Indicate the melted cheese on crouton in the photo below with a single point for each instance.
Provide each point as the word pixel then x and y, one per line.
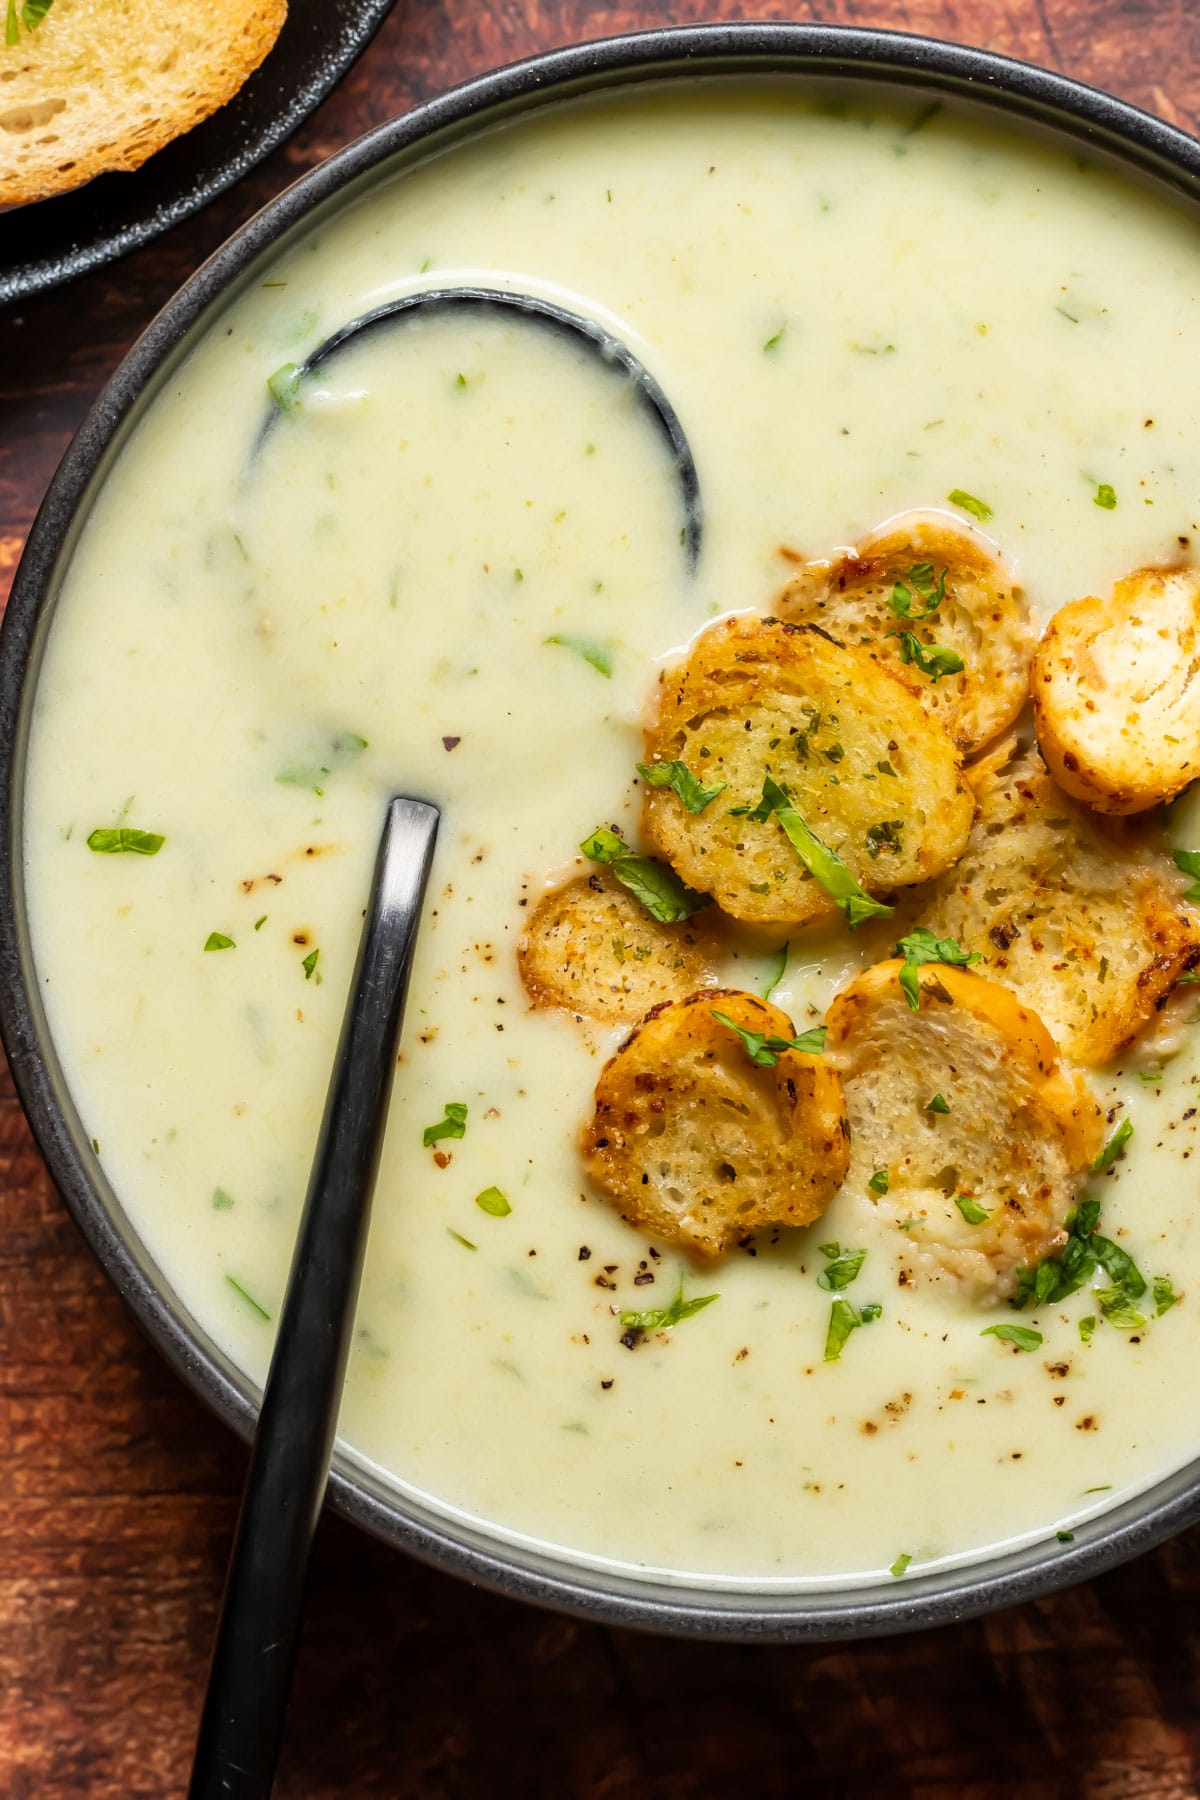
pixel 869 772
pixel 962 1104
pixel 1116 692
pixel 1084 919
pixel 944 584
pixel 697 1143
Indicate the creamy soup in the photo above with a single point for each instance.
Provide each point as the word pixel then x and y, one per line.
pixel 453 570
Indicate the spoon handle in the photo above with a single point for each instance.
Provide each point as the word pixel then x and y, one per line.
pixel 251 1671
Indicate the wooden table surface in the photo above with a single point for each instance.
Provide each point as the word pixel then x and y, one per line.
pixel 118 1492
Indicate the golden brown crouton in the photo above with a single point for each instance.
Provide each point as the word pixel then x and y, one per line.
pixel 962 1106
pixel 868 771
pixel 695 1142
pixel 1082 916
pixel 592 949
pixel 102 84
pixel 1116 692
pixel 940 582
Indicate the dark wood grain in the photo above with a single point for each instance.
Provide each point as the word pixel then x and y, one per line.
pixel 117 1492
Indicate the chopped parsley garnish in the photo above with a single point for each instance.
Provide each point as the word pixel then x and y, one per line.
pixel 921 946
pixel 1188 861
pixel 315 771
pixel 1084 1254
pixel 878 1184
pixel 1087 1328
pixel 777 971
pixel 222 1202
pixel 665 1318
pixel 900 1566
pixel 122 839
pixel 1119 1309
pixel 931 593
pixel 1020 1335
pixel 971 1210
pixel 309 965
pixel 939 1104
pixel 494 1201
pixel 870 1312
pixel 1104 496
pixel 1165 1296
pixel 259 923
pixel 841 1268
pixel 679 778
pixel 454 1125
pixel 31 16
pixel 284 386
pixel 460 1239
pixel 1115 1146
pixel 1057 1276
pixel 979 509
pixel 600 655
pixel 843 1319
pixel 657 887
pixel 934 660
pixel 217 940
pixel 824 864
pixel 1065 1537
pixel 251 1302
pixel 774 342
pixel 884 836
pixel 765 1049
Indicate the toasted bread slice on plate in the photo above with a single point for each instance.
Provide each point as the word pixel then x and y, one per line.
pixel 100 85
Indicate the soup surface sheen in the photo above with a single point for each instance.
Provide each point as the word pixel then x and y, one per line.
pixel 855 308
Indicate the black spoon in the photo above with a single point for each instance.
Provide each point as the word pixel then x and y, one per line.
pixel 251 1672
pixel 616 355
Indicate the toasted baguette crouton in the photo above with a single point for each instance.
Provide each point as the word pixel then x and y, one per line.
pixel 869 772
pixel 695 1142
pixel 593 950
pixel 1012 1135
pixel 861 597
pixel 102 84
pixel 1082 916
pixel 1116 692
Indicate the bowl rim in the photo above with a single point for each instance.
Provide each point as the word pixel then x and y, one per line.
pixel 1021 92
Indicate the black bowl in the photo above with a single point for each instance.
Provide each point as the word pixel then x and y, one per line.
pixel 820 54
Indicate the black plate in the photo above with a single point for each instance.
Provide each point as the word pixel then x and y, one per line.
pixel 53 241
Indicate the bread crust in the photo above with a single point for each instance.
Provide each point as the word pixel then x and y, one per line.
pixel 591 949
pixel 1083 917
pixel 694 1142
pixel 1116 692
pixel 873 776
pixel 1016 1137
pixel 982 616
pixel 100 85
